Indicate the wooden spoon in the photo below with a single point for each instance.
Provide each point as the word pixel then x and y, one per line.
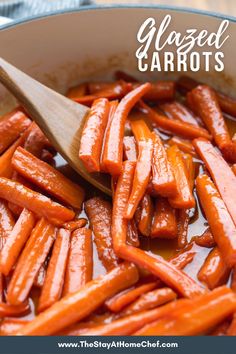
pixel 60 118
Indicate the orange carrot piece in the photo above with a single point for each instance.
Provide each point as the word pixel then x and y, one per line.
pixel 175 127
pixel 36 142
pixel 183 257
pixel 146 215
pixel 218 217
pixel 231 331
pixel 92 135
pixel 30 261
pixel 214 272
pixel 183 145
pixel 164 223
pixel 220 172
pixel 163 179
pixel 10 325
pixel 132 323
pixel 149 301
pixel 47 178
pixel 205 240
pixel 77 91
pixel 118 87
pixel 7 222
pixel 11 126
pixel 99 213
pixel 176 110
pixel 75 224
pixel 16 240
pixel 76 306
pixel 6 168
pixel 182 227
pixel 120 300
pixel 53 283
pixel 79 269
pixel 143 166
pixel 160 90
pixel 34 201
pixel 197 317
pixel 8 310
pixel 130 148
pixel 132 234
pixel 113 150
pixel 184 198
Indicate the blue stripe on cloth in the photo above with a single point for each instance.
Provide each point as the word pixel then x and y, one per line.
pixel 18 9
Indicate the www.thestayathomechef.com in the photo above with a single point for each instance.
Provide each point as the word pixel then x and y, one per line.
pixel 118 344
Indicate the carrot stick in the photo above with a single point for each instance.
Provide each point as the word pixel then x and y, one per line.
pixel 53 284
pixel 220 172
pixel 6 168
pixel 79 269
pixel 118 87
pixel 160 90
pixel 184 198
pixel 76 306
pixel 113 150
pixel 47 178
pixel 99 213
pixel 77 91
pixel 132 234
pixel 231 331
pixel 36 141
pixel 214 272
pixel 30 261
pixel 163 179
pixel 16 240
pixel 7 310
pixel 149 301
pixel 40 277
pixel 146 216
pixel 143 166
pixel 205 240
pixel 175 127
pixel 176 110
pixel 183 257
pixel 164 223
pixel 34 201
pixel 92 135
pixel 220 222
pixel 7 222
pixel 10 325
pixel 121 300
pixel 132 323
pixel 11 126
pixel 197 317
pixel 75 224
pixel 130 148
pixel 183 145
pixel 182 227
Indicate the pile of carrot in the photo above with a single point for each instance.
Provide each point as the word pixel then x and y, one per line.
pixel 74 262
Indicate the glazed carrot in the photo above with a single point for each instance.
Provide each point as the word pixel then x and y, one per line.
pixel 16 240
pixel 207 105
pixel 183 145
pixel 76 306
pixel 132 323
pixel 7 222
pixel 6 168
pixel 132 234
pixel 220 222
pixel 99 213
pixel 11 126
pixel 75 224
pixel 197 317
pixel 182 227
pixel 47 178
pixel 113 150
pixel 214 272
pixel 231 331
pixel 119 87
pixel 92 135
pixel 36 141
pixel 112 109
pixel 160 90
pixel 130 148
pixel 183 257
pixel 30 261
pixel 205 240
pixel 40 277
pixel 184 198
pixel 53 283
pixel 163 179
pixel 164 223
pixel 34 201
pixel 149 301
pixel 143 167
pixel 10 325
pixel 220 172
pixel 176 110
pixel 7 310
pixel 77 91
pixel 175 127
pixel 121 300
pixel 79 268
pixel 146 215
